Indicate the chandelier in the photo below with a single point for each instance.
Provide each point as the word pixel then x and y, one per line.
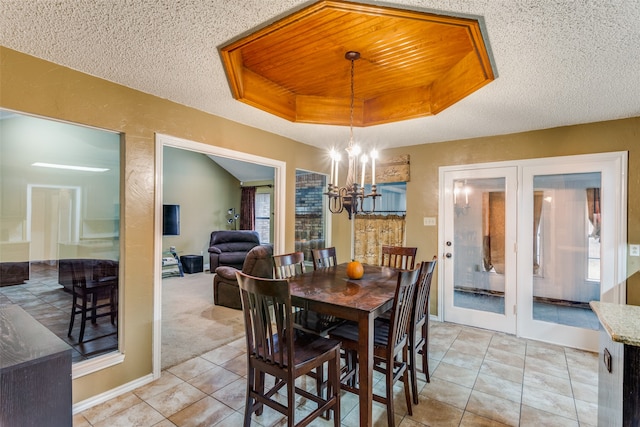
pixel 351 196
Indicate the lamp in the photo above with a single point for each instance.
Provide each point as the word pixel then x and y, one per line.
pixel 234 218
pixel 351 196
pixel 460 190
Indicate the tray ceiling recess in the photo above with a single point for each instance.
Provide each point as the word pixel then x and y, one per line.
pixel 413 64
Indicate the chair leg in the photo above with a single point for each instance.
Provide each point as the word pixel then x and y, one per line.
pixel 351 362
pixel 248 401
pixel 94 311
pixel 389 381
pixel 291 403
pixel 73 314
pixel 259 387
pixel 407 393
pixel 321 387
pixel 114 305
pixel 412 367
pixel 334 386
pixel 83 319
pixel 425 350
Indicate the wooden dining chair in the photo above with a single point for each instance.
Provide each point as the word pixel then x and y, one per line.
pixel 390 341
pixel 419 326
pixel 401 257
pixel 276 348
pixel 324 257
pixel 288 265
pixel 94 296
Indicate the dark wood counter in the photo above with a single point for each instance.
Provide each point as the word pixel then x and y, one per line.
pixel 35 373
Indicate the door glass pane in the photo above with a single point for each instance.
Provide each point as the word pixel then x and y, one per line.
pixel 479 244
pixel 566 273
pixel 60 227
pixel 310 213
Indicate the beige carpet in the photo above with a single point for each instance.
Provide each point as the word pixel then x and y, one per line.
pixel 191 323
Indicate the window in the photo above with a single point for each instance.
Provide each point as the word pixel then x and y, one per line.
pixel 393 200
pixel 263 216
pixel 59 217
pixel 310 212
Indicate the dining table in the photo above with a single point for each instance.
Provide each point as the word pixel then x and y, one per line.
pixel 329 291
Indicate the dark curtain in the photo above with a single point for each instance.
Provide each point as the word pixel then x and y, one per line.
pixel 247 208
pixel 593 208
pixel 538 197
pixel 486 236
pixel 493 229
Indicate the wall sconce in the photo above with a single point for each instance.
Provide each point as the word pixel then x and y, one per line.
pixel 234 218
pixel 461 190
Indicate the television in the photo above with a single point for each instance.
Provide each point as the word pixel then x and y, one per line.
pixel 170 220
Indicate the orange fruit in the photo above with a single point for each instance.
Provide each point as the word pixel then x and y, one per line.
pixel 355 270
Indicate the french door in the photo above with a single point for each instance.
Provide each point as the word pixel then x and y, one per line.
pixel 526 246
pixel 479 256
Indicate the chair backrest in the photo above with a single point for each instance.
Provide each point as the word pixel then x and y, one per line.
pixel 402 308
pixel 398 257
pixel 266 306
pixel 258 262
pixel 223 238
pixel 325 257
pixel 423 289
pixel 79 272
pixel 288 265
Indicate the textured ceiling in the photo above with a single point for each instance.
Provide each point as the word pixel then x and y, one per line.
pixel 557 62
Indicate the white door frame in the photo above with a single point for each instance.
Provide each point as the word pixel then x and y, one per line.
pixel 612 169
pixel 279 184
pixel 503 322
pixel 613 287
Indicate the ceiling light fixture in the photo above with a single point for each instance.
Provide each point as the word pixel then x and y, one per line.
pixel 351 196
pixel 70 167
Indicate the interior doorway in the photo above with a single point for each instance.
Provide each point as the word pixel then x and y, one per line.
pixel 52 215
pixel 162 141
pixel 526 245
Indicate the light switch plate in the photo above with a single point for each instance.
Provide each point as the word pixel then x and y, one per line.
pixel 634 250
pixel 429 221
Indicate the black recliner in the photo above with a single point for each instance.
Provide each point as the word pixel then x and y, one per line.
pixel 230 247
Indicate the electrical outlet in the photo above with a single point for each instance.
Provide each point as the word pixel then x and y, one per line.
pixel 634 250
pixel 429 221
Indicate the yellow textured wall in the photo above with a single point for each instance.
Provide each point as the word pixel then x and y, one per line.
pixel 34 86
pixel 38 87
pixel 422 190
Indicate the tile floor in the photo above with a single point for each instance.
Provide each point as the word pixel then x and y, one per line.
pixel 47 301
pixel 579 315
pixel 479 378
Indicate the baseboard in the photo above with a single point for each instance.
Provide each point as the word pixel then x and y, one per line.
pixel 110 394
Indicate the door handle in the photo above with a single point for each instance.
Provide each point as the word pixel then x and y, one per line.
pixel 448 254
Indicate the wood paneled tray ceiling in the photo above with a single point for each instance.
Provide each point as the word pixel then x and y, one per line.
pixel 412 64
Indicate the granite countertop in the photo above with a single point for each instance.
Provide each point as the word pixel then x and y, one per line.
pixel 621 321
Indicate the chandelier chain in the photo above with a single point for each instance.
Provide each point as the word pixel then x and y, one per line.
pixel 353 95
